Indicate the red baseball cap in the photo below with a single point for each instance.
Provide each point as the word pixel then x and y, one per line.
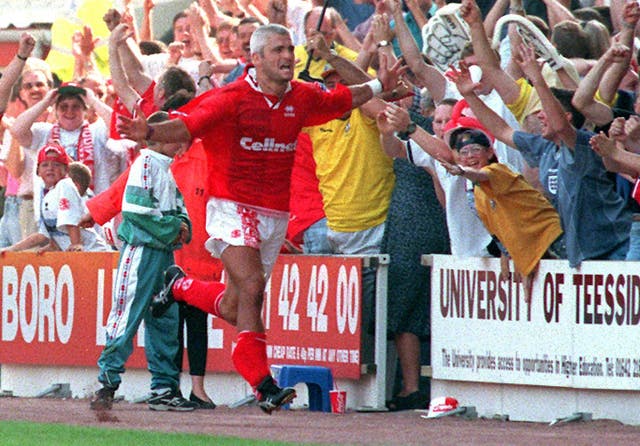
pixel 52 151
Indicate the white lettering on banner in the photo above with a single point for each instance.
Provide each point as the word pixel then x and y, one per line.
pixel 318 286
pixel 268 145
pixel 480 294
pixel 347 300
pixel 37 304
pixel 215 336
pixel 313 354
pixel 101 329
pixel 564 338
pixel 288 298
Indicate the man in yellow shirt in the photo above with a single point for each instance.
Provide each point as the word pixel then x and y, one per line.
pixel 329 32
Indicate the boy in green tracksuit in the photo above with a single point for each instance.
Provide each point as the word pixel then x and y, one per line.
pixel 155 223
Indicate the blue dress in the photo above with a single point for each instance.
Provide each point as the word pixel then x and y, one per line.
pixel 415 226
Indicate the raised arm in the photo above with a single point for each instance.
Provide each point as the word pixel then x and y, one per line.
pixel 82 46
pixel 427 75
pixel 13 70
pixel 146 28
pixel 352 74
pixel 557 12
pixel 488 60
pixel 489 118
pixel 497 10
pixel 584 98
pixel 21 129
pixel 127 93
pixel 100 107
pixel 617 71
pixel 199 25
pixel 556 117
pixel 414 9
pixel 343 32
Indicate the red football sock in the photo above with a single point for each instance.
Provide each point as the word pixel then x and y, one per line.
pixel 200 294
pixel 250 357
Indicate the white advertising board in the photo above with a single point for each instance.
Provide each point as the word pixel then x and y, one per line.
pixel 579 331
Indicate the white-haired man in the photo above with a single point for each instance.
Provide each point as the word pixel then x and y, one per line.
pixel 250 127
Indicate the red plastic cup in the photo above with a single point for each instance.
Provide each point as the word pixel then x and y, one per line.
pixel 338 401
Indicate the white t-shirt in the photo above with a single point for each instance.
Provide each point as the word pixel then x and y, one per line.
pixel 63 206
pixel 468 236
pixel 107 165
pixel 155 64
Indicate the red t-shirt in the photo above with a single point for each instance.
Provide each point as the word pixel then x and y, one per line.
pixel 305 204
pixel 251 137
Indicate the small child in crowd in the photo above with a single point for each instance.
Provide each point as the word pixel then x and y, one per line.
pixel 154 224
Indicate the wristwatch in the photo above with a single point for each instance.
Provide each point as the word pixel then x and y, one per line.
pixel 408 131
pixel 383 43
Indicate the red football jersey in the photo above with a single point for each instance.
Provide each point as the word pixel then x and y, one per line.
pixel 251 136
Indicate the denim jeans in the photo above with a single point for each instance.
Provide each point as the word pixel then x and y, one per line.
pixel 634 242
pixel 10 231
pixel 315 238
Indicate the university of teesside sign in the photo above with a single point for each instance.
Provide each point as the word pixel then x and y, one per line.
pixel 579 331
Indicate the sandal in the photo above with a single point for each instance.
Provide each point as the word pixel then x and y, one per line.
pixel 412 401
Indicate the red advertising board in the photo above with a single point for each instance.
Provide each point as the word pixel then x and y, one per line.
pixel 54 307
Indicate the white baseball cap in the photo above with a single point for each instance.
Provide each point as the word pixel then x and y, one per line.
pixel 441 404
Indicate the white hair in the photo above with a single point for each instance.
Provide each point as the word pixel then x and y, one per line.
pixel 260 36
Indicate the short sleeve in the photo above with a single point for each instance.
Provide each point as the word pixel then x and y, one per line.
pixel 70 205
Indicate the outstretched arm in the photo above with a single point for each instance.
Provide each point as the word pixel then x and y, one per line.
pixel 396 119
pixel 475 175
pixel 121 84
pixel 137 129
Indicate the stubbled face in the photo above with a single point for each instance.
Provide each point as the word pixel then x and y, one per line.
pixel 51 172
pixel 277 59
pixel 70 113
pixel 475 156
pixel 34 87
pixel 441 116
pixel 326 29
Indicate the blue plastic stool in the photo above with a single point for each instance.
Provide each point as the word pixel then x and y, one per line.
pixel 319 381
